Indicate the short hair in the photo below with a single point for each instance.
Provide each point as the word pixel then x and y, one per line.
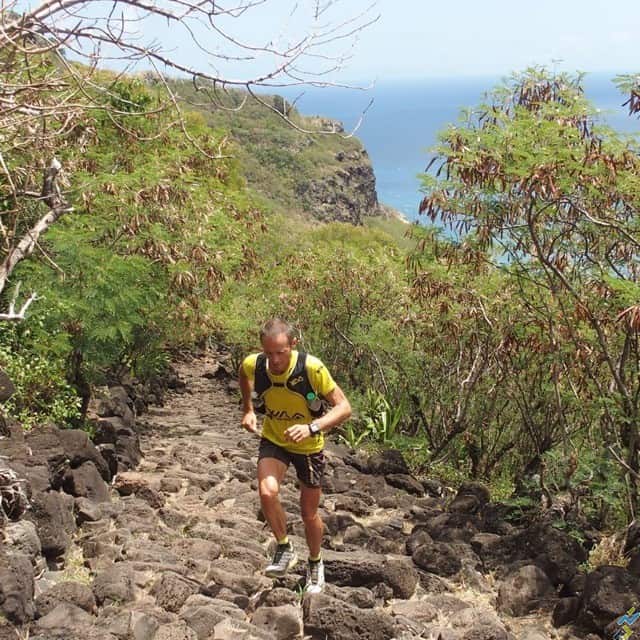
pixel 275 327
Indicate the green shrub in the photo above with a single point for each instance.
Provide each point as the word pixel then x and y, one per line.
pixel 42 391
pixel 379 418
pixel 129 95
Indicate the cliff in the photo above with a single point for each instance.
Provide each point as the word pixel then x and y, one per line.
pixel 346 194
pixel 305 166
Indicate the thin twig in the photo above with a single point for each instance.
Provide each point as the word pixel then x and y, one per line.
pixel 635 474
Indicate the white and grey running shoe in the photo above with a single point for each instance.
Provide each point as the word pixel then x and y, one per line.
pixel 315 577
pixel 284 558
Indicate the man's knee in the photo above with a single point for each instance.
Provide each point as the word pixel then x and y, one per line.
pixel 310 514
pixel 269 488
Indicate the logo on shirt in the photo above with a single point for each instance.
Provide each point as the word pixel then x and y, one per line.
pixel 283 415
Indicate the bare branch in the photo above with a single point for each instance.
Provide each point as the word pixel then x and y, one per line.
pixel 623 463
pixel 12 315
pixel 51 195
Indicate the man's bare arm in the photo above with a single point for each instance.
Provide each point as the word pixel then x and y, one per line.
pixel 339 412
pixel 249 420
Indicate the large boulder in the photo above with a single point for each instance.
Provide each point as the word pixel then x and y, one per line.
pixel 116 402
pixel 16 587
pixel 386 462
pixel 471 498
pixel 565 611
pixel 172 591
pixel 115 584
pixel 405 482
pixel 283 622
pixel 220 619
pixel 44 442
pixel 79 449
pixel 328 618
pixel 68 622
pixel 114 430
pixel 609 592
pixel 437 557
pixel 75 593
pixel 130 624
pixel 59 451
pixel 22 537
pixel 452 527
pixel 486 632
pixel 236 582
pixel 553 550
pixel 52 513
pixel 524 590
pixel 178 630
pixel 85 481
pixel 361 569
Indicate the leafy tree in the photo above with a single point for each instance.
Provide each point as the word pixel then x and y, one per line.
pixel 53 86
pixel 530 177
pixel 129 277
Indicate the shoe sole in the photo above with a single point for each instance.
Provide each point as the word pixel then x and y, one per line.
pixel 279 574
pixel 314 590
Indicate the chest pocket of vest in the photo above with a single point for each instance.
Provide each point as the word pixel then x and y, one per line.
pixel 297 382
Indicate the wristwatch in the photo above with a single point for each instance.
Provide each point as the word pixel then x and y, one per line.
pixel 314 428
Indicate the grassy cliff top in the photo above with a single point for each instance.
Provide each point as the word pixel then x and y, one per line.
pixel 277 157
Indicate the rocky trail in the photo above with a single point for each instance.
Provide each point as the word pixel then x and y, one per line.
pixel 174 548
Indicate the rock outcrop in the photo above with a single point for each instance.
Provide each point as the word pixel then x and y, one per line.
pixel 347 194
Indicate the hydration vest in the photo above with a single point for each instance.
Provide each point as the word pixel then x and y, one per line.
pixel 298 382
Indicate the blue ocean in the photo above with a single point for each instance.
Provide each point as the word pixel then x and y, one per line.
pixel 406 116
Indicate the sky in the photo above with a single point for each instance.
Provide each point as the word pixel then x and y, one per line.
pixel 425 38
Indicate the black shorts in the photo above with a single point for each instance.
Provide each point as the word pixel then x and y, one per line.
pixel 309 466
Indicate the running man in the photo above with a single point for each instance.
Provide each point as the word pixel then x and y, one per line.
pixel 301 402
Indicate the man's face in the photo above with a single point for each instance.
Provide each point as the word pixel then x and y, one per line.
pixel 278 351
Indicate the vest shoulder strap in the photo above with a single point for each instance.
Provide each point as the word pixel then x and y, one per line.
pixel 261 378
pixel 298 381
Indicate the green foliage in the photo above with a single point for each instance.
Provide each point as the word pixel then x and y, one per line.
pixel 520 509
pixel 572 529
pixel 531 179
pixel 129 95
pixel 596 479
pixel 379 418
pixel 107 303
pixel 42 391
pixel 278 160
pixel 377 422
pixel 449 473
pixel 352 435
pixel 158 229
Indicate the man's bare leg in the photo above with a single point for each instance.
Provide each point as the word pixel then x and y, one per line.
pixel 270 475
pixel 313 526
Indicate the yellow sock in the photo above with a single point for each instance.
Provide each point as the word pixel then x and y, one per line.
pixel 316 559
pixel 284 541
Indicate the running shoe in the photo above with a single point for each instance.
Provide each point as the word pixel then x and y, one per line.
pixel 315 577
pixel 284 558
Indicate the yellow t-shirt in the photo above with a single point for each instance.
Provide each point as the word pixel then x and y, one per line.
pixel 284 408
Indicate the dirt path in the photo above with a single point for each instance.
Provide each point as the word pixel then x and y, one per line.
pixel 177 551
